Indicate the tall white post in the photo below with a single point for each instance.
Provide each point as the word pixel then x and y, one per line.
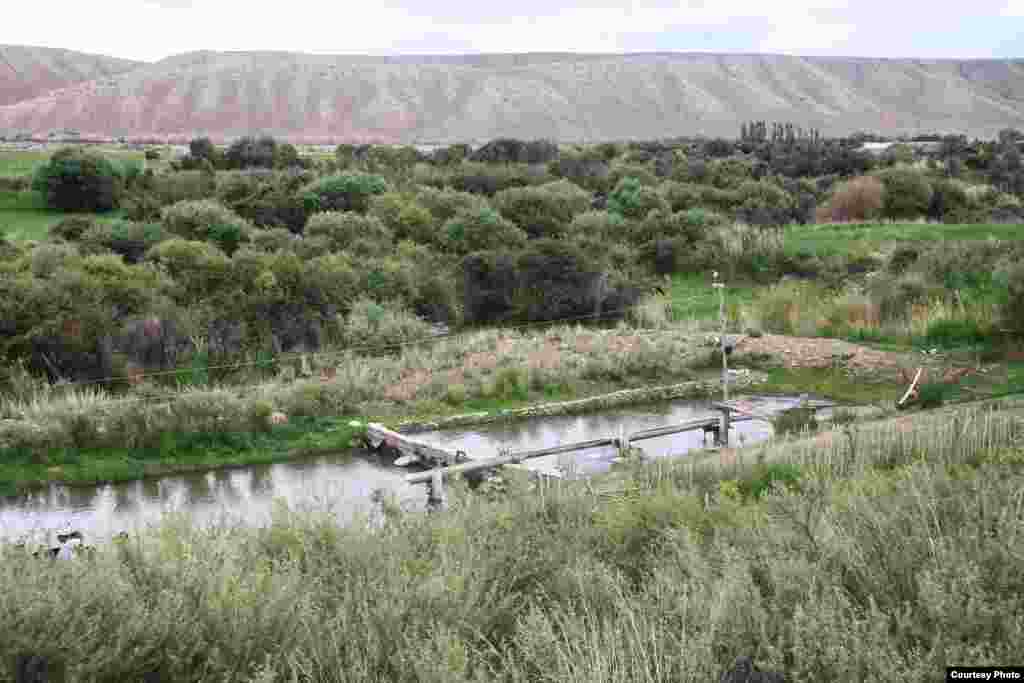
pixel 721 314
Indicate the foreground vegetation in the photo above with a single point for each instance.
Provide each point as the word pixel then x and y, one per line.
pixel 887 551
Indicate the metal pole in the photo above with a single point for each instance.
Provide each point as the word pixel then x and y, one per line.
pixel 721 314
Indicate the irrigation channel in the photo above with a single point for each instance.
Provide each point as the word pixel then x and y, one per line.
pixel 344 484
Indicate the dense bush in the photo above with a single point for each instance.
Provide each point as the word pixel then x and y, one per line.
pixel 689 225
pixel 558 280
pixel 129 239
pixel 263 152
pixel 199 267
pixel 179 186
pixel 543 210
pixel 489 285
pixel 79 179
pixel 388 325
pixel 479 230
pixel 72 228
pixel 209 221
pixel 272 239
pixel 488 180
pixel 764 203
pixel 344 229
pixel 266 198
pixel 610 227
pixel 589 170
pixel 908 193
pixel 1012 277
pixel 445 203
pixel 350 191
pixel 408 218
pixel 512 151
pixel 631 199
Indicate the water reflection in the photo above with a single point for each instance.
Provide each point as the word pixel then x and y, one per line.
pixel 342 485
pixel 488 440
pixel 339 484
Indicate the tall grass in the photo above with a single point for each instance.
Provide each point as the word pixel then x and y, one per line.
pixel 895 552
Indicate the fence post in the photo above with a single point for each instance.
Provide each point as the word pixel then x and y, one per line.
pixel 436 498
pixel 723 429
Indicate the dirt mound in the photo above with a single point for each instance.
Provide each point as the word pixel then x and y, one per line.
pixel 803 352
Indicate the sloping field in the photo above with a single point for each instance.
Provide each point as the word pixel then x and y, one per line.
pixel 311 98
pixel 27 72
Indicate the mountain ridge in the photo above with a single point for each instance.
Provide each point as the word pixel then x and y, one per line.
pixel 565 96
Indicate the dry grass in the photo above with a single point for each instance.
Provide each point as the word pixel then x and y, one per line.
pixel 344 385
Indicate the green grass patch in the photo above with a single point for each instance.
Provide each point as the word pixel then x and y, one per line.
pixel 25 216
pixel 22 468
pixel 833 384
pixel 835 239
pixel 693 297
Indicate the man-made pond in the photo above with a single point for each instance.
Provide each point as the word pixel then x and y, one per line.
pixel 343 484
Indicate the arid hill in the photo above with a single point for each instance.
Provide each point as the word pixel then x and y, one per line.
pixel 311 98
pixel 27 72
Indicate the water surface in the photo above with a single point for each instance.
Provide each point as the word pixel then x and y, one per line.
pixel 343 484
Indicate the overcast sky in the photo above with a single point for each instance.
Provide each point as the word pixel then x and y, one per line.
pixel 150 30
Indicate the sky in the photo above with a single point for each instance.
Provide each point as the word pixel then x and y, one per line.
pixel 150 30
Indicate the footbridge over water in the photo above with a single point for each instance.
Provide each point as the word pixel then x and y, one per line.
pixel 443 463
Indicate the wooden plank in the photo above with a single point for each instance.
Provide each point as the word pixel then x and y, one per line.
pixel 672 429
pixel 913 386
pixel 488 463
pixel 409 446
pixel 750 414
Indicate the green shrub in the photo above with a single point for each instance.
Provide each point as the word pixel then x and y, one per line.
pixel 631 199
pixel 764 203
pixel 349 191
pixel 660 224
pixel 455 394
pixel 949 201
pixel 180 186
pixel 543 210
pixel 1012 277
pixel 406 217
pixel 556 279
pixel 79 179
pixel 129 239
pixel 588 169
pixel 72 228
pixel 345 228
pixel 272 239
pixel 765 476
pixel 387 324
pixel 932 394
pixel 681 196
pixel 259 416
pixel 950 333
pixel 908 193
pixel 511 384
pixel 794 421
pixel 199 267
pixel 599 224
pixel 208 221
pixel 445 203
pixel 488 180
pixel 481 230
